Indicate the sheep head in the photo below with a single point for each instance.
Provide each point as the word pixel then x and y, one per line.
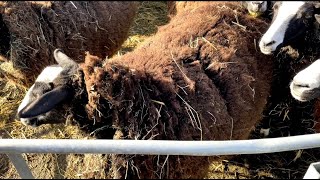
pixel 51 88
pixel 305 85
pixel 256 8
pixel 290 21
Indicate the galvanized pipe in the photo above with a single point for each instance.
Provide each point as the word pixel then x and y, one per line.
pixel 160 147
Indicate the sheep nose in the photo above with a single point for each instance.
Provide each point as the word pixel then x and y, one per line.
pixel 300 85
pixel 267 46
pixel 257 4
pixel 30 122
pixel 268 43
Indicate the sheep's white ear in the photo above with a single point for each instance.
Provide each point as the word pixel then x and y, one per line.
pixel 45 103
pixel 62 59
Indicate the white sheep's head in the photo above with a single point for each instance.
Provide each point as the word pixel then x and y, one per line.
pixel 305 85
pixel 49 90
pixel 290 20
pixel 256 8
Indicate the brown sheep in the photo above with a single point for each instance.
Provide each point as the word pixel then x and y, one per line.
pixel 175 7
pixel 199 78
pixel 254 8
pixel 31 30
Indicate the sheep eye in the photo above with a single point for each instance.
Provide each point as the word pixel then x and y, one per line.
pixel 51 85
pixel 308 16
pixel 308 13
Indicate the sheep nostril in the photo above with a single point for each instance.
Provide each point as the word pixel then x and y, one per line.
pixel 259 5
pixel 301 85
pixel 270 43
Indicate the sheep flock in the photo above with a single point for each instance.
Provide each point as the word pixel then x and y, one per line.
pixel 207 81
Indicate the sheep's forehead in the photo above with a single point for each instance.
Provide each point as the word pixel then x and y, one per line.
pixel 49 74
pixel 46 76
pixel 288 9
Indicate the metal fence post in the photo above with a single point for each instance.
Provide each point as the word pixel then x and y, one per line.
pixel 21 166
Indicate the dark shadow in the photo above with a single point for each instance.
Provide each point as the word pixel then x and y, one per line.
pixel 4 37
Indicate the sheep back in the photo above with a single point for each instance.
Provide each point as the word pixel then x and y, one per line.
pixel 32 30
pixel 175 7
pixel 199 78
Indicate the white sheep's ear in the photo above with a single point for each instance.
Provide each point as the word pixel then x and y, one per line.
pixel 62 59
pixel 45 102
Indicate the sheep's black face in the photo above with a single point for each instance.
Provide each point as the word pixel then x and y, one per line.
pixel 290 21
pixel 37 90
pixel 42 103
pixel 299 23
pixel 53 117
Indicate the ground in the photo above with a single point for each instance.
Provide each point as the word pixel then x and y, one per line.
pixel 282 117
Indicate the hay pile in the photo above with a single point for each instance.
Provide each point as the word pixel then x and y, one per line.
pixel 30 31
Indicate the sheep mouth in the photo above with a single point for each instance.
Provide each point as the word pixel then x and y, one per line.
pixel 267 51
pixel 306 95
pixel 33 122
pixel 255 13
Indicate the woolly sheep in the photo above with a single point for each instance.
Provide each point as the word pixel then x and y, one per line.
pixel 198 78
pixel 31 31
pixel 255 8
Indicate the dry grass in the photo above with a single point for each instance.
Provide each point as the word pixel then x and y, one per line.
pixel 280 121
pixel 150 15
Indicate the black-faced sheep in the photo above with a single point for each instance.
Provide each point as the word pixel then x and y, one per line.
pixel 295 24
pixel 31 31
pixel 199 78
pixel 291 20
pixel 305 86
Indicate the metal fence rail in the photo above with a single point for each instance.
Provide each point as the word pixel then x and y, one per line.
pixel 153 147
